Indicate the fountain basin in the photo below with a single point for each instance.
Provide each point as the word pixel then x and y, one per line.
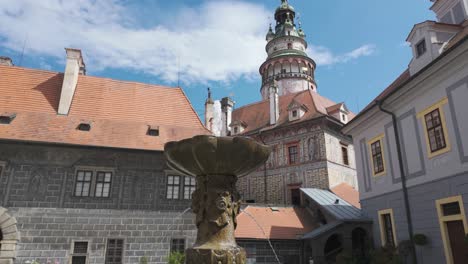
pixel 209 155
pixel 216 162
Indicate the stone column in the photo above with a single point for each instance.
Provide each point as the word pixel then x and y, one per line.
pixel 217 163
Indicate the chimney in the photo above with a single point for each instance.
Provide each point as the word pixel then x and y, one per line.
pixel 226 113
pixel 6 61
pixel 75 66
pixel 274 104
pixel 209 111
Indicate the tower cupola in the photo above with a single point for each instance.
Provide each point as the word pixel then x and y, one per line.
pixel 287 62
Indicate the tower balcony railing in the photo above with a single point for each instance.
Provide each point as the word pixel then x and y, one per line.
pixel 306 76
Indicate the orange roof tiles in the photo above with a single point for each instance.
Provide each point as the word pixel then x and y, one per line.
pixel 347 193
pixel 119 112
pixel 257 115
pixel 286 223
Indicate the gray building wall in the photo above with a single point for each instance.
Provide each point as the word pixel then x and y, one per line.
pixel 447 80
pixel 37 186
pixel 423 210
pixel 429 177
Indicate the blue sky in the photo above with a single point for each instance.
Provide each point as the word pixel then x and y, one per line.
pixel 359 45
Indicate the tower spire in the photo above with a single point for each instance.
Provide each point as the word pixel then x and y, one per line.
pixel 287 61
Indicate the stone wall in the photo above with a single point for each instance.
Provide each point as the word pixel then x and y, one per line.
pixel 44 176
pixel 37 184
pixel 47 234
pixel 320 163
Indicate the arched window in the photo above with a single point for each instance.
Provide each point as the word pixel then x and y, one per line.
pixel 277 68
pixel 289 45
pixel 270 71
pixel 295 67
pixel 333 247
pixel 1 238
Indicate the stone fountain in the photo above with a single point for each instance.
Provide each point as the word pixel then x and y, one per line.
pixel 216 162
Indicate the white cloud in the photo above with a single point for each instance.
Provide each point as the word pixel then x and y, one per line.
pixel 324 56
pixel 219 40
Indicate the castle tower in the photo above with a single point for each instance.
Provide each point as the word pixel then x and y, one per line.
pixel 287 61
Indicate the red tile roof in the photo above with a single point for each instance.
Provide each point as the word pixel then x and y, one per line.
pixel 285 223
pixel 119 112
pixel 257 115
pixel 347 193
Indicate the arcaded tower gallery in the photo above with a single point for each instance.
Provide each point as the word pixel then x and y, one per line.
pixel 287 61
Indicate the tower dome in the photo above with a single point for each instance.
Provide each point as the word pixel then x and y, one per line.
pixel 288 63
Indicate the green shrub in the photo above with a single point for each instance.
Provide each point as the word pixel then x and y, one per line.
pixel 420 239
pixel 144 260
pixel 347 257
pixel 176 258
pixel 385 255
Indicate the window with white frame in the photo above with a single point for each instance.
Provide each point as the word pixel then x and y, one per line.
pixel 103 184
pixel 421 48
pixel 173 185
pixel 93 183
pixel 189 187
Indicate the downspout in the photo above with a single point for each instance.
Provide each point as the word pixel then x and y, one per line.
pixel 264 171
pixel 403 177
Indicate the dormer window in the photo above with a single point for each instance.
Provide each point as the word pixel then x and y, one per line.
pixel 153 131
pixel 294 113
pixel 84 127
pixel 421 48
pixel 6 119
pixel 237 127
pixel 344 118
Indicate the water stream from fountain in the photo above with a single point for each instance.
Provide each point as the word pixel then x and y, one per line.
pixel 169 228
pixel 263 231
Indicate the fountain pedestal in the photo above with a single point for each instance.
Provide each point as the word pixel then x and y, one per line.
pixel 216 163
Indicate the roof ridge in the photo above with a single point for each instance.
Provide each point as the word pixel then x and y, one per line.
pixel 90 77
pixel 29 69
pixel 129 82
pixel 193 109
pixel 314 103
pixel 254 103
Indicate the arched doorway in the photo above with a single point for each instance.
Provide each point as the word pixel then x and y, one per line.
pixel 360 242
pixel 333 247
pixel 9 237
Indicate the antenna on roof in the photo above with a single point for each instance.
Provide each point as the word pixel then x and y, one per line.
pixel 22 51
